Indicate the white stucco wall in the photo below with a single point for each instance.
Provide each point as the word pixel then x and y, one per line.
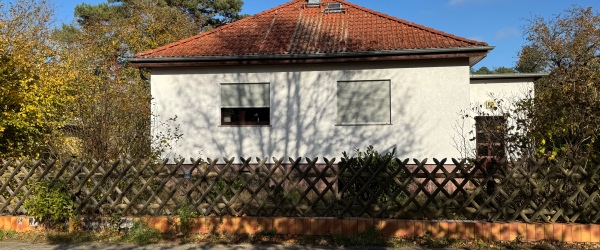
pixel 505 93
pixel 508 91
pixel 426 97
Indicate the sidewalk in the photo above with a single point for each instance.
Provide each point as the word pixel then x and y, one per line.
pixel 17 245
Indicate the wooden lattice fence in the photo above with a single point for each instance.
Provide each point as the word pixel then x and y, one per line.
pixel 531 191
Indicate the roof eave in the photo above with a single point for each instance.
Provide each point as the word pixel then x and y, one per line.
pixel 509 76
pixel 475 54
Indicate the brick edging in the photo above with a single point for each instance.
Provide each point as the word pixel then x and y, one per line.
pixel 587 233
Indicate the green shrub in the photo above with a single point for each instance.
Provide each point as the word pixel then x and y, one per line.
pixel 141 233
pixel 223 186
pixel 50 202
pixel 372 161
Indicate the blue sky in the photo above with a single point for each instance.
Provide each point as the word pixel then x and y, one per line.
pixel 500 23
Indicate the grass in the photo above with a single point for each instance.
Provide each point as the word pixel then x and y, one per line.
pixel 141 233
pixel 7 234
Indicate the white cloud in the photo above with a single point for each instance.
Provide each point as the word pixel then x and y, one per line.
pixel 507 32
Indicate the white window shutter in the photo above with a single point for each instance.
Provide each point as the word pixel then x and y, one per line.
pixel 363 102
pixel 245 95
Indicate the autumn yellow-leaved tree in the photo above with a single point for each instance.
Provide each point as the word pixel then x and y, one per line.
pixel 565 112
pixel 34 83
pixel 112 112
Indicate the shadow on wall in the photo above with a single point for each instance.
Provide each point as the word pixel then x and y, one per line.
pixel 303 106
pixel 303 119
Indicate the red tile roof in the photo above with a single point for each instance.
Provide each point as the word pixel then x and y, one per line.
pixel 295 29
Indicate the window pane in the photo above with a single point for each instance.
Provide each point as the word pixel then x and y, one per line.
pixel 230 116
pixel 245 116
pixel 257 115
pixel 245 95
pixel 363 102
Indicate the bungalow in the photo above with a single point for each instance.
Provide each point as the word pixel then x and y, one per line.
pixel 314 78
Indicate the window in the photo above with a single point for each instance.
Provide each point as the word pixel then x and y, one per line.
pixel 245 104
pixel 363 102
pixel 490 136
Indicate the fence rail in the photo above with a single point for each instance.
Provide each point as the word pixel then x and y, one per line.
pixel 531 191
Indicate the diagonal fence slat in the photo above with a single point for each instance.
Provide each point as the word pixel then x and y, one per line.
pixel 20 186
pixel 530 190
pixel 47 169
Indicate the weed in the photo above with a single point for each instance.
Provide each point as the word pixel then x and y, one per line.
pixel 314 240
pixel 544 246
pixel 480 244
pixel 115 221
pixel 401 243
pixel 75 224
pixel 6 234
pixel 141 233
pixel 223 238
pixel 519 239
pixel 187 219
pixel 441 242
pixel 515 244
pixel 265 235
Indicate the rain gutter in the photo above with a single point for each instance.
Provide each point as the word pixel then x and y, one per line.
pixel 385 53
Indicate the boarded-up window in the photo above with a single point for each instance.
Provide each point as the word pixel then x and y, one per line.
pixel 363 102
pixel 245 104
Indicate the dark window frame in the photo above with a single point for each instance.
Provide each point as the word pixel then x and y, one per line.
pixel 241 116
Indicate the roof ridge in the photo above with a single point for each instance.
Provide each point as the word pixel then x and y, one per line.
pixel 419 26
pixel 206 33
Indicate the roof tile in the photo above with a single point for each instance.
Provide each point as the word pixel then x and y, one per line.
pixel 294 28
